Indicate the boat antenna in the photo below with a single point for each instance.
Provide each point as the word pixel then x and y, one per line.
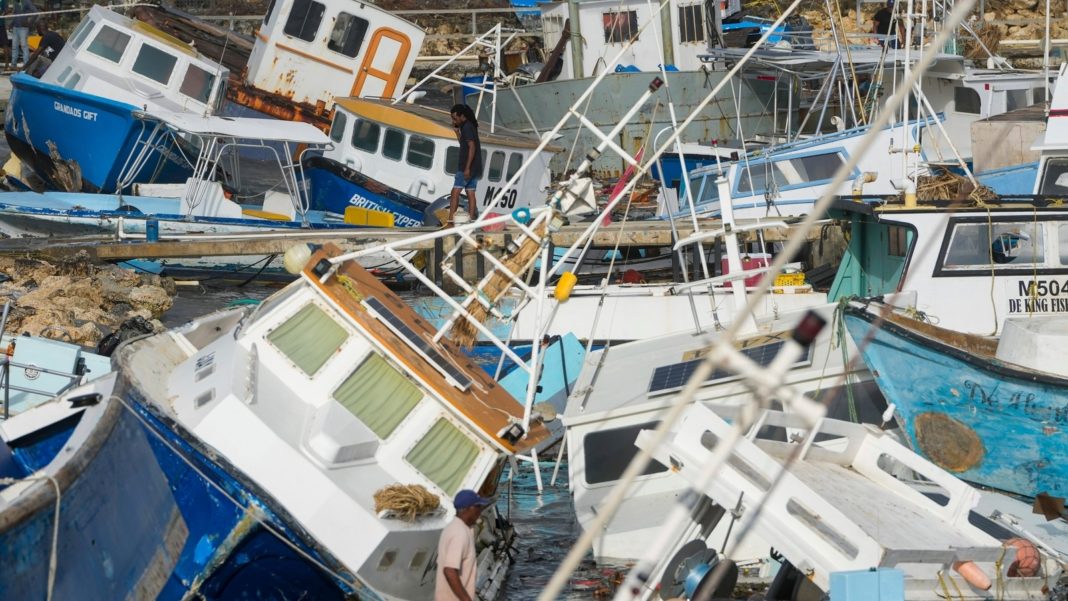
pixel 219 73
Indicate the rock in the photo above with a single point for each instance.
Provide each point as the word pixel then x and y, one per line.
pixel 77 301
pixel 151 298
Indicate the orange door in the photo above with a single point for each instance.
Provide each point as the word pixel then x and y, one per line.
pixel 372 68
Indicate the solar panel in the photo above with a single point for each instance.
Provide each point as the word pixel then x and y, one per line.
pixel 673 377
pixel 421 345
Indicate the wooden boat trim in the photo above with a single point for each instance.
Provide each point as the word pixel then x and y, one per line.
pixel 486 404
pixel 978 351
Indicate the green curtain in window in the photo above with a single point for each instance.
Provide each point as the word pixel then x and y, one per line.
pixel 444 455
pixel 308 338
pixel 380 396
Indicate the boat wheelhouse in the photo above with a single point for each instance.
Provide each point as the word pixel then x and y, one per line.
pixel 111 68
pixel 322 396
pixel 400 158
pixel 313 51
pixel 970 266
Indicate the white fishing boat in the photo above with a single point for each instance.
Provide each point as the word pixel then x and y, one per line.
pixel 339 392
pixel 831 505
pixel 400 158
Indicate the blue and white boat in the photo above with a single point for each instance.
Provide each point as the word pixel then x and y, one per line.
pixel 991 412
pixel 111 69
pixel 400 158
pixel 787 179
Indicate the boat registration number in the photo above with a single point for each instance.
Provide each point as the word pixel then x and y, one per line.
pixel 1037 295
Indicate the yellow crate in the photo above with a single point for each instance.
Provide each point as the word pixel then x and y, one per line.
pixel 790 279
pixel 368 217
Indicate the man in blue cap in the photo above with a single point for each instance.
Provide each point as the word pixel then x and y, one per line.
pixel 456 549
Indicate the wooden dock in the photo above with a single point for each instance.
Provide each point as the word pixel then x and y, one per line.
pixel 108 248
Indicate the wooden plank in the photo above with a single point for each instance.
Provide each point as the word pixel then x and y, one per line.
pixel 103 248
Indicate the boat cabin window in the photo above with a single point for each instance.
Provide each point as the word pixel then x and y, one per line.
pixel 304 19
pixel 421 152
pixel 337 127
pixel 270 11
pixel 198 83
pixel 496 166
pixel 65 74
pixel 619 25
pixel 154 64
pixel 799 171
pixel 977 246
pixel 966 100
pixel 80 33
pixel 378 395
pixel 1055 177
pixel 1015 99
pixel 393 145
pixel 608 453
pixel 691 23
pixel 109 44
pixel 1038 95
pixel 347 36
pixel 309 338
pixel 73 81
pixel 1062 240
pixel 514 163
pixel 444 455
pixel 365 135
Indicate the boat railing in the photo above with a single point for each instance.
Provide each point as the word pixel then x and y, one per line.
pixel 8 364
pixel 5 381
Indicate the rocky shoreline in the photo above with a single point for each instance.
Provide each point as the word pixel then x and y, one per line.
pixel 79 302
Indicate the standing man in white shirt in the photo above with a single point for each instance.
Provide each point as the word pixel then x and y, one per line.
pixel 456 549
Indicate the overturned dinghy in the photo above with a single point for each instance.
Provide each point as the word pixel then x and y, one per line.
pixel 835 506
pixel 283 424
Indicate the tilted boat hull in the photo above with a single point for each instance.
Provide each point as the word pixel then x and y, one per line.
pixel 120 534
pixel 52 128
pixel 981 419
pixel 333 187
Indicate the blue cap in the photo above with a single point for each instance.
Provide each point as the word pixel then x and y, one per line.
pixel 469 498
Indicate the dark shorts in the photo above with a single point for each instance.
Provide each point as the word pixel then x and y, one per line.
pixel 459 181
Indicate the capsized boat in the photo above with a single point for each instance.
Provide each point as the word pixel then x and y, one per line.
pixel 844 499
pixel 990 411
pixel 111 69
pixel 298 419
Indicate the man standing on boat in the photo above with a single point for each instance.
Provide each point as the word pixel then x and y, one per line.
pixel 456 548
pixel 469 167
pixel 882 20
pixel 20 32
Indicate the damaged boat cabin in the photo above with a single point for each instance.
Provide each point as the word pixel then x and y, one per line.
pixel 311 51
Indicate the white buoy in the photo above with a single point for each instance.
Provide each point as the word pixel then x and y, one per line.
pixel 296 258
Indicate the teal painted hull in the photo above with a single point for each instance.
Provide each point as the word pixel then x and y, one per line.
pixel 984 420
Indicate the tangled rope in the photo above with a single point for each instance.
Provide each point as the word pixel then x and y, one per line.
pixel 406 500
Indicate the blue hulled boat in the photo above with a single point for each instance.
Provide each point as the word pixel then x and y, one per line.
pixel 966 403
pixel 112 68
pixel 401 158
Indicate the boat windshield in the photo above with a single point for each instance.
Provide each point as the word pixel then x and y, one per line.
pixel 704 189
pixel 1055 177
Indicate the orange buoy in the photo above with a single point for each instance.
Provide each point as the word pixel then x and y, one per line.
pixel 972 574
pixel 1028 561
